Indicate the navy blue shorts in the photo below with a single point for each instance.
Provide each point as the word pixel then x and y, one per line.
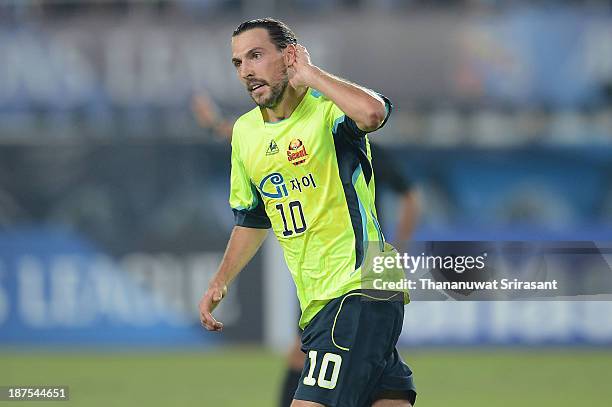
pixel 351 358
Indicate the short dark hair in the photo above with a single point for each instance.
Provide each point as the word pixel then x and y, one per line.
pixel 280 34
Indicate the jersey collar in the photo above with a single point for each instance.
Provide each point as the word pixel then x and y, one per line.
pixel 297 112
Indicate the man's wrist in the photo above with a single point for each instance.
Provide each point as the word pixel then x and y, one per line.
pixel 313 78
pixel 217 284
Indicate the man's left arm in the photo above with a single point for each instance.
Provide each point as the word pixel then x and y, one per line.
pixel 364 106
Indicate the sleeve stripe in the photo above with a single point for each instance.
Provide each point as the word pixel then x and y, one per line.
pixel 251 219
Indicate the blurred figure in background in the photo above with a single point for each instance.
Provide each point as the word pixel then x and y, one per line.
pixel 388 174
pixel 209 116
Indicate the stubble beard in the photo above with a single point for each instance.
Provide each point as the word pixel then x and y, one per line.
pixel 276 94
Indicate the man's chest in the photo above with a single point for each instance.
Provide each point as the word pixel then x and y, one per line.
pixel 294 156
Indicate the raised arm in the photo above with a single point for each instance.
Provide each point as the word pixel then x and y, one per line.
pixel 364 106
pixel 241 247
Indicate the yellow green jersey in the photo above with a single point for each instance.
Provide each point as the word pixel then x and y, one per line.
pixel 308 177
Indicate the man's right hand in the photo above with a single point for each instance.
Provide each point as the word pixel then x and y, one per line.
pixel 208 303
pixel 242 246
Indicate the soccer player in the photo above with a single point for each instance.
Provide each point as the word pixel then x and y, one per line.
pixel 388 173
pixel 301 166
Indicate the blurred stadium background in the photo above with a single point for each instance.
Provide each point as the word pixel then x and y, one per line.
pixel 113 201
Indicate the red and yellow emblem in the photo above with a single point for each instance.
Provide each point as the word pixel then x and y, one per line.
pixel 296 153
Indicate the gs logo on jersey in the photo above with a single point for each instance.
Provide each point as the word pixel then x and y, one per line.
pixel 296 153
pixel 278 189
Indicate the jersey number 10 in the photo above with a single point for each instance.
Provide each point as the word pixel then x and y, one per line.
pixel 322 381
pixel 293 208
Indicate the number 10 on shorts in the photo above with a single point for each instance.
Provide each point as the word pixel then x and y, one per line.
pixel 322 381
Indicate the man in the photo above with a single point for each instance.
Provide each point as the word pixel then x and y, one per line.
pixel 301 165
pixel 388 174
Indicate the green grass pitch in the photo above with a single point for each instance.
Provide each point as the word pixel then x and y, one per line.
pixel 250 377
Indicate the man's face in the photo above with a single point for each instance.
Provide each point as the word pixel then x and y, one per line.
pixel 260 67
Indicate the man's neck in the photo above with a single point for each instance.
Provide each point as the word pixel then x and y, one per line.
pixel 287 105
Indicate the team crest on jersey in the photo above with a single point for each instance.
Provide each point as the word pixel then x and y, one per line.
pixel 272 148
pixel 296 153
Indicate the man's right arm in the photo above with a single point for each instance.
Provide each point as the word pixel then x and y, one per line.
pixel 242 246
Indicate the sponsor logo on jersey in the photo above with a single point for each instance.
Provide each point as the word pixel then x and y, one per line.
pixel 273 186
pixel 272 148
pixel 296 153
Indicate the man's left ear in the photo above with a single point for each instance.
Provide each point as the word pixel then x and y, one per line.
pixel 290 54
